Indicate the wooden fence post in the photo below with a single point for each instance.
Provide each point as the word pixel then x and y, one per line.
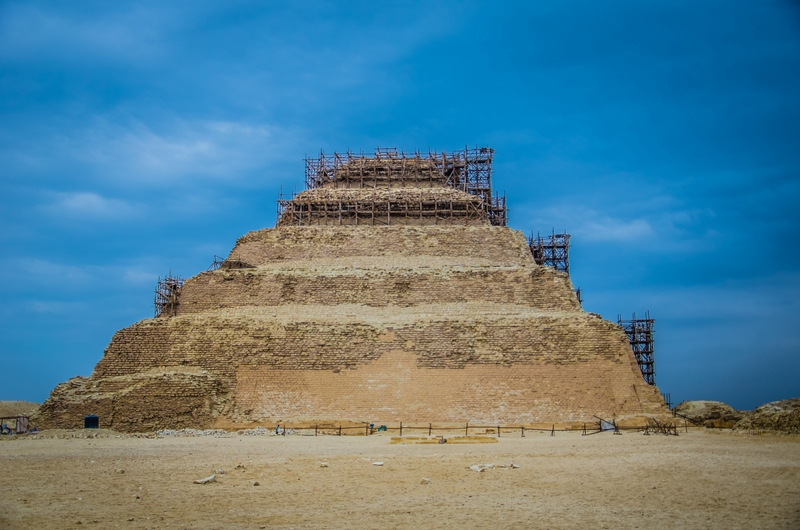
pixel 522 430
pixel 430 428
pixel 340 430
pixel 316 428
pixel 466 430
pixel 401 429
pixel 553 430
pixel 498 431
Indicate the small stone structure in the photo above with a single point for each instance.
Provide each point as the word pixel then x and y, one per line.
pixel 389 291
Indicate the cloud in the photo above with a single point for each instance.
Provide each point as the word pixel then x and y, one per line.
pixel 55 307
pixel 35 272
pixel 136 154
pixel 664 228
pixel 610 229
pixel 26 275
pixel 88 205
pixel 589 225
pixel 30 31
pixel 138 275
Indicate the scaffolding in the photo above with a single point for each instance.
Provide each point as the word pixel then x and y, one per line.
pixel 640 336
pixel 469 170
pixel 228 264
pixel 216 264
pixel 551 251
pixel 497 212
pixel 168 291
pixel 395 209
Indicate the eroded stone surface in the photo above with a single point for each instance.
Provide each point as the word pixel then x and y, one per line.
pixel 430 324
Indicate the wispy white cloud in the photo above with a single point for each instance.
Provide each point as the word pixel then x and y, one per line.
pixel 660 226
pixel 138 152
pixel 133 154
pixel 32 31
pixel 38 274
pixel 137 275
pixel 54 307
pixel 88 205
pixel 34 272
pixel 610 229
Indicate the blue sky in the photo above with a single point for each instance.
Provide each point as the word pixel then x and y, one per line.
pixel 139 138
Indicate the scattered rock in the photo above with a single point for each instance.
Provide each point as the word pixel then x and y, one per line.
pixel 480 468
pixel 258 431
pixel 780 416
pixel 377 463
pixel 323 464
pixel 119 471
pixel 239 466
pixel 712 414
pixel 256 483
pixel 212 478
pixel 190 432
pixel 425 481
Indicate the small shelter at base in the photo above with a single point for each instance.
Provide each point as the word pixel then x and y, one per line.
pixel 91 422
pixel 21 425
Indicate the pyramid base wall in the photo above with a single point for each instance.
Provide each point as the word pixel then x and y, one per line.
pixel 218 370
pixel 395 388
pixel 350 324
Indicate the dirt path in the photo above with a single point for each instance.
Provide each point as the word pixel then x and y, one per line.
pixel 695 480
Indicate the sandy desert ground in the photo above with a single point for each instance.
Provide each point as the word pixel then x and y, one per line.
pixel 702 479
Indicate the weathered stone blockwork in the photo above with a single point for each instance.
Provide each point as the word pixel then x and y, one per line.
pixel 440 323
pixel 483 245
pixel 486 337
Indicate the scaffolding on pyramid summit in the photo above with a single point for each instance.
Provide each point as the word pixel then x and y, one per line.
pixel 469 170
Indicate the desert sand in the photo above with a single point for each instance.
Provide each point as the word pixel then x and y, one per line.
pixel 699 479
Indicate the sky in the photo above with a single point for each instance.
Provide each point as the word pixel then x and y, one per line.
pixel 139 138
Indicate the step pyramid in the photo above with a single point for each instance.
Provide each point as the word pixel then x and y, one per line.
pixel 390 290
